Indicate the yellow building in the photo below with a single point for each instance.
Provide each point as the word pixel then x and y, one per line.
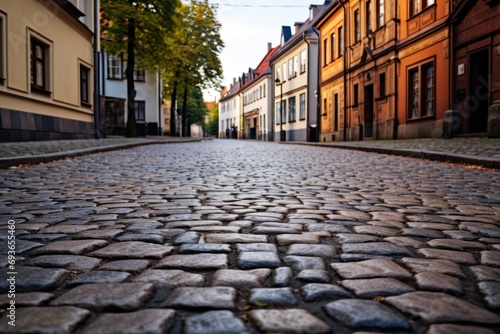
pixel 46 70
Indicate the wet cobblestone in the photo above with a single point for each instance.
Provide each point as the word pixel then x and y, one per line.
pixel 248 237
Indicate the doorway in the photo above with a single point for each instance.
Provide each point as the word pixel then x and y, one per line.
pixel 368 117
pixel 479 91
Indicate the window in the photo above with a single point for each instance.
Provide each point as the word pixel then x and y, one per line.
pixel 303 61
pixel 336 112
pixel 278 73
pixel 278 118
pixel 325 110
pixel 421 91
pixel 283 112
pixel 292 117
pixel 295 65
pixel 341 41
pixel 368 16
pixel 39 65
pixel 332 46
pixel 290 68
pixel 264 90
pixel 140 111
pixel 355 95
pixel 381 85
pixel 114 67
pixel 357 26
pixel 302 106
pixel 284 71
pixel 380 13
pixel 84 85
pixel 416 6
pixel 139 75
pixel 325 51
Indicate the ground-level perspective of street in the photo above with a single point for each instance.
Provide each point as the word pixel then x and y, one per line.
pixel 227 236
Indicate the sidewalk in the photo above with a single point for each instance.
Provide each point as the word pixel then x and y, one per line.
pixel 19 153
pixel 483 152
pixel 472 151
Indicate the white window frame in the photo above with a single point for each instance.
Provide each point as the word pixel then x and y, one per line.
pixel 303 61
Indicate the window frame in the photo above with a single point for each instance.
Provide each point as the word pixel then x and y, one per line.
pixel 295 64
pixel 355 93
pixel 303 61
pixel 139 75
pixel 292 109
pixel 332 46
pixel 382 89
pixel 368 17
pixel 110 74
pixel 341 41
pixel 418 95
pixel 85 85
pixel 302 106
pixel 380 13
pixel 357 25
pixel 44 88
pixel 325 51
pixel 290 68
pixel 140 106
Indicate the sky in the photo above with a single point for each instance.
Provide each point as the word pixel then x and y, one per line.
pixel 247 28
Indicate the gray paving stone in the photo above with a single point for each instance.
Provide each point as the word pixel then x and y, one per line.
pixel 455 256
pixel 133 249
pixel 132 266
pixel 288 239
pixel 45 320
pixel 314 275
pixel 377 248
pixel 357 313
pixel 69 262
pixel 256 247
pixel 405 242
pixel 22 246
pixel 215 322
pixel 434 266
pixel 457 329
pixel 273 296
pixel 150 321
pixel 485 273
pixel 433 281
pixel 113 296
pixel 328 226
pixel 376 230
pixel 108 233
pixel 187 238
pixel 356 238
pixel 491 292
pixel 200 261
pixel 371 269
pixel 211 297
pixel 433 226
pixel 248 260
pixel 422 232
pixel 274 230
pixel 99 276
pixel 170 278
pixel 231 238
pixel 460 235
pixel 437 307
pixel 241 279
pixel 192 223
pixel 324 251
pixel 75 247
pixel 288 321
pixel 374 287
pixel 204 248
pixel 304 262
pixel 26 299
pixel 321 291
pixel 491 258
pixel 455 244
pixel 68 229
pixel 48 237
pixel 33 279
pixel 217 229
pixel 145 237
pixel 282 276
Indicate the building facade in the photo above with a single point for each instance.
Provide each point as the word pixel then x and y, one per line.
pixel 231 112
pixel 148 103
pixel 46 70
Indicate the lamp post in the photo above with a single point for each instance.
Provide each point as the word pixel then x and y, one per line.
pixel 279 83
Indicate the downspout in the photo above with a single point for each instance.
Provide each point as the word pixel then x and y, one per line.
pixel 97 121
pixel 344 30
pixel 308 67
pixel 103 84
pixel 396 62
pixel 160 104
pixel 318 95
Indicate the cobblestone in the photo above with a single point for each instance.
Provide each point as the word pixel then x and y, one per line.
pixel 273 238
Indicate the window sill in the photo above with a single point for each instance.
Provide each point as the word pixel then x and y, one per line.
pixel 86 104
pixel 2 80
pixel 421 119
pixel 381 98
pixel 40 91
pixel 115 79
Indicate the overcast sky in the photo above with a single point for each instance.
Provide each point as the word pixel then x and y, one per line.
pixel 248 26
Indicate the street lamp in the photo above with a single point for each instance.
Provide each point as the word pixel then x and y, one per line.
pixel 279 83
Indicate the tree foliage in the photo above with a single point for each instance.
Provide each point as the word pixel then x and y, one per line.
pixel 213 121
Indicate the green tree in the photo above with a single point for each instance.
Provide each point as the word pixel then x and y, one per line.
pixel 213 121
pixel 139 28
pixel 193 55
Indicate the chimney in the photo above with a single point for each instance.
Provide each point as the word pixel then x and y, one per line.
pixel 298 25
pixel 269 46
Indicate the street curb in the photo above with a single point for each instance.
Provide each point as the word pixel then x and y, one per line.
pixel 7 162
pixel 420 154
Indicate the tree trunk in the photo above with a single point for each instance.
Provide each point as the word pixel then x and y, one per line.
pixel 131 130
pixel 172 107
pixel 184 106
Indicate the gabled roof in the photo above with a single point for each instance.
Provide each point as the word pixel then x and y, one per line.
pixel 286 33
pixel 305 28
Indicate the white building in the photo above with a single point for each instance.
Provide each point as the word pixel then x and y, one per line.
pixel 149 113
pixel 230 112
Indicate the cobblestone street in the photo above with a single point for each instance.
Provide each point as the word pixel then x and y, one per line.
pixel 240 237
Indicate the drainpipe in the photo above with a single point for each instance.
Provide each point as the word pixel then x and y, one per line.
pixel 97 127
pixel 318 97
pixel 344 31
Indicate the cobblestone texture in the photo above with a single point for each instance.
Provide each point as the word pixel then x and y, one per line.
pixel 249 237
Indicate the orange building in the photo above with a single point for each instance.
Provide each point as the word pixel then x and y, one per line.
pixel 423 78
